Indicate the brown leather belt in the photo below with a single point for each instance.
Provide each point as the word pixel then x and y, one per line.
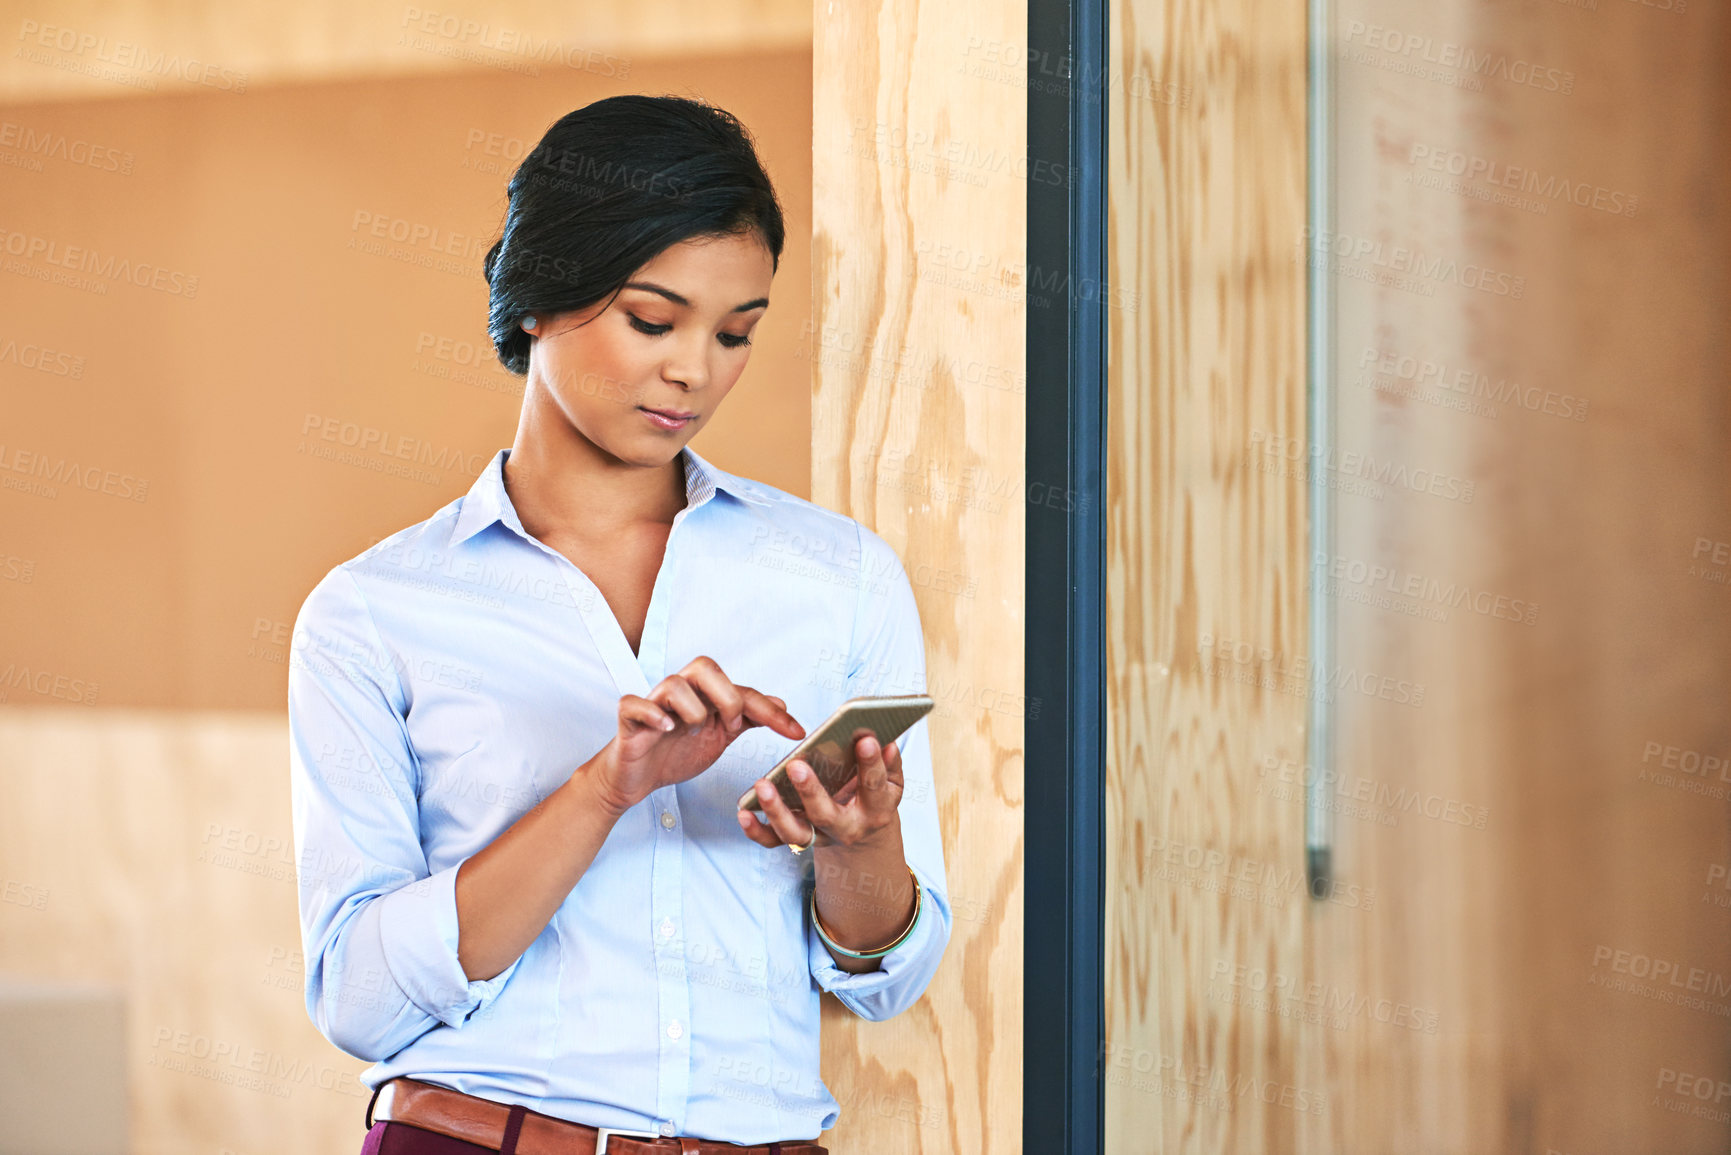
pixel 518 1130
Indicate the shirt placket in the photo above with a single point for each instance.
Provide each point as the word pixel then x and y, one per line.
pixel 673 987
pixel 638 674
pixel 667 882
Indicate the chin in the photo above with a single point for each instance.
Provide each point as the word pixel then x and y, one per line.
pixel 646 451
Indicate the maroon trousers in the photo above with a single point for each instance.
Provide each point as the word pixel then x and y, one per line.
pixel 402 1139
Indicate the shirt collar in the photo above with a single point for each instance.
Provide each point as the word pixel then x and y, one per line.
pixel 487 501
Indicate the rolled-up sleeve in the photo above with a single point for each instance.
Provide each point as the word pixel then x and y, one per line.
pixel 378 927
pixel 888 656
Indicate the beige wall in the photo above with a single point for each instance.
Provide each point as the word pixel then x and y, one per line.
pixel 92 49
pixel 199 400
pixel 145 837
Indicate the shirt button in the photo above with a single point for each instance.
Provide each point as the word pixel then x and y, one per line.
pixel 667 819
pixel 667 1128
pixel 674 1030
pixel 666 927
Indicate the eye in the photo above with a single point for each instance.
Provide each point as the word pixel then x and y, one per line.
pixel 732 340
pixel 643 326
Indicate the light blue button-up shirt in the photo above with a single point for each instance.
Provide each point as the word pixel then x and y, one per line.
pixel 449 678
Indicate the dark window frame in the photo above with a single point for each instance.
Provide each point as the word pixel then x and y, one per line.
pixel 1063 1093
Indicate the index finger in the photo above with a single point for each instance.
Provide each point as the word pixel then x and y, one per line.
pixel 764 710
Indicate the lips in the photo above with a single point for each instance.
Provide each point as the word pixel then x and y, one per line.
pixel 667 418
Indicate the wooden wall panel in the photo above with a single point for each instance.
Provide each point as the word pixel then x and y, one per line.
pixel 1549 834
pixel 156 854
pixel 919 196
pixel 1579 405
pixel 1604 854
pixel 1205 554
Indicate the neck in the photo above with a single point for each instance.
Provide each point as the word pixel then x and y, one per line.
pixel 561 483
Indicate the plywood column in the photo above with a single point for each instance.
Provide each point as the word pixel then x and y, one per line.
pixel 1205 897
pixel 919 194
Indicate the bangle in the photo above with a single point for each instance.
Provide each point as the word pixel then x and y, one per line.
pixel 919 902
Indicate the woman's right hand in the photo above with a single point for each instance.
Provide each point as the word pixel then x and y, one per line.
pixel 679 730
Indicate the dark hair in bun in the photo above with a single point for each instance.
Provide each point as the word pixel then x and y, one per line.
pixel 607 189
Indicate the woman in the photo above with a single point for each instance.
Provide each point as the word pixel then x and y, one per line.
pixel 520 729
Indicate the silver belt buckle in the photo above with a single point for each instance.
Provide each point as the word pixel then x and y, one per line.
pixel 603 1133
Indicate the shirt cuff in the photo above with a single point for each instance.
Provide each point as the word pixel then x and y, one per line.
pixel 418 928
pixel 861 992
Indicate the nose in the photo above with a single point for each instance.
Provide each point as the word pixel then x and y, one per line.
pixel 687 363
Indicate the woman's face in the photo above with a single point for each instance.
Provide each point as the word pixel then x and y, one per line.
pixel 639 376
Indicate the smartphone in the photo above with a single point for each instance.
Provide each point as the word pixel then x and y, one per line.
pixel 828 750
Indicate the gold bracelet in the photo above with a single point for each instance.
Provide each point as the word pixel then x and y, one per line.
pixel 919 903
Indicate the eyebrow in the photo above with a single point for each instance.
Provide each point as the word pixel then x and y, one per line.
pixel 761 302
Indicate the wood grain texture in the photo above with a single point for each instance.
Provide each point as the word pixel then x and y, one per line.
pixel 919 200
pixel 160 845
pixel 1579 404
pixel 1204 552
pixel 1499 836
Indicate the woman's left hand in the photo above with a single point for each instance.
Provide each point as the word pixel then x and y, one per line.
pixel 854 816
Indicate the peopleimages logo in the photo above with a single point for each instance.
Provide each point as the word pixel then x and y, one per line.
pixel 46 683
pixel 1262 665
pixel 462 36
pixel 1391 800
pixel 1328 999
pixel 58 146
pixel 45 473
pixel 1405 261
pixel 126 55
pixel 1425 373
pixel 40 358
pixel 107 266
pixel 1363 466
pixel 369 439
pixel 1670 972
pixel 961 156
pixel 1449 54
pixel 1170 1071
pixel 1701 1087
pixel 1470 166
pixel 1390 587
